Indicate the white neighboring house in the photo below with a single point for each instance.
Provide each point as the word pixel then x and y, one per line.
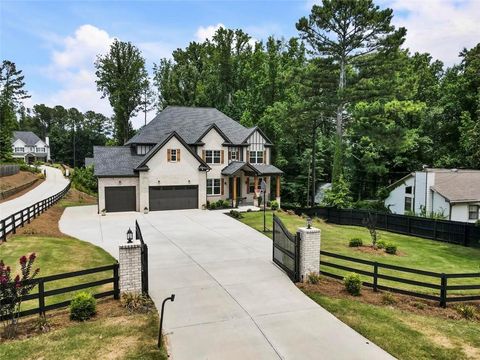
pixel 184 158
pixel 28 146
pixel 455 193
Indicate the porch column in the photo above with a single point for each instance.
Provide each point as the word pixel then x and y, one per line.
pixel 277 195
pixel 235 191
pixel 255 199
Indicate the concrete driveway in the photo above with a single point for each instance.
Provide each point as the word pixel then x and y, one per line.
pixel 54 183
pixel 231 301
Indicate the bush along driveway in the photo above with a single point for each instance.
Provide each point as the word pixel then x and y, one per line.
pixel 231 301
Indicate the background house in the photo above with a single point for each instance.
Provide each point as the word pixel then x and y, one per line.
pixel 28 146
pixel 451 192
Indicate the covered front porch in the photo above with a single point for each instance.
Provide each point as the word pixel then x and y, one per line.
pixel 244 183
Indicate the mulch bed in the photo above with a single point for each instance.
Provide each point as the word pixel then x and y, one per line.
pixel 369 249
pixel 335 289
pixel 47 223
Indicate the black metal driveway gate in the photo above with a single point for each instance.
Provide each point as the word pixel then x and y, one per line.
pixel 286 249
pixel 144 258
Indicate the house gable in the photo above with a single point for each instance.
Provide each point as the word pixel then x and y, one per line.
pixel 18 143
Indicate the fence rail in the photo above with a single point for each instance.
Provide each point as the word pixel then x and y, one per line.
pixel 456 232
pixel 11 223
pixel 42 294
pixel 439 282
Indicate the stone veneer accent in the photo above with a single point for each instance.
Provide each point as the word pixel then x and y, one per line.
pixel 309 251
pixel 130 267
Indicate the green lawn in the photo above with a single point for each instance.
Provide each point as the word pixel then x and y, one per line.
pixel 406 335
pixel 117 335
pixel 58 255
pixel 414 252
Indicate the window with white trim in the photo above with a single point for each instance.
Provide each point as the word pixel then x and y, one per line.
pixel 19 149
pixel 473 212
pixel 256 157
pixel 214 187
pixel 251 184
pixel 212 156
pixel 233 155
pixel 40 149
pixel 408 204
pixel 173 155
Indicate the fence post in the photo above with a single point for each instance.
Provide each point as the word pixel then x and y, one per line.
pixel 116 286
pixel 41 297
pixel 465 237
pixel 14 226
pixel 309 251
pixel 435 230
pixel 375 276
pixel 386 221
pixel 4 231
pixel 409 226
pixel 443 291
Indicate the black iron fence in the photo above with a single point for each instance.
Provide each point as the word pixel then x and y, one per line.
pixel 436 288
pixel 20 218
pixel 41 283
pixel 144 258
pixel 456 232
pixel 286 249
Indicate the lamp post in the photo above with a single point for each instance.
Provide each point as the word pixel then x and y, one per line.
pixel 172 299
pixel 309 222
pixel 129 236
pixel 263 187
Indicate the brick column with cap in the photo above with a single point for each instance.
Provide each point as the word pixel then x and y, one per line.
pixel 309 251
pixel 130 267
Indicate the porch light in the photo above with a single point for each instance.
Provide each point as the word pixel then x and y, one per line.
pixel 129 236
pixel 309 222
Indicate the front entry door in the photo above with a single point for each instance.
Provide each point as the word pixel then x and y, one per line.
pixel 239 190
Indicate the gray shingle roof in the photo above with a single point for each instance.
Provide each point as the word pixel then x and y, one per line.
pixel 265 169
pixel 458 185
pixel 235 166
pixel 115 161
pixel 190 123
pixel 28 137
pixel 89 161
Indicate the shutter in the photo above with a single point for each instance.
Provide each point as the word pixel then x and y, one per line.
pixel 248 156
pixel 221 186
pixel 203 155
pixel 169 155
pixel 264 156
pixel 178 155
pixel 248 184
pixel 222 156
pixel 229 155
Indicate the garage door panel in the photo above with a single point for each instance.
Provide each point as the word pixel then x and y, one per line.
pixel 120 198
pixel 173 197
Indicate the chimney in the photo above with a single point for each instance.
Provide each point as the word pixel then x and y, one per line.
pixel 47 141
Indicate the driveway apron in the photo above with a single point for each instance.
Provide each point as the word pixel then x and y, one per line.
pixel 231 301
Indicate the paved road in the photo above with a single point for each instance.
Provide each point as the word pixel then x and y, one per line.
pixel 54 183
pixel 231 301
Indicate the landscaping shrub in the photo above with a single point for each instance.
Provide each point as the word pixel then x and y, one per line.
pixel 370 222
pixel 83 306
pixel 274 205
pixel 226 204
pixel 468 312
pixel 84 180
pixel 388 299
pixel 313 278
pixel 136 302
pixel 213 206
pixel 391 248
pixel 381 244
pixel 235 214
pixel 355 242
pixel 353 284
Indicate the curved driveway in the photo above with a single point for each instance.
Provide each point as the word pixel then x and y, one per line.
pixel 231 301
pixel 54 183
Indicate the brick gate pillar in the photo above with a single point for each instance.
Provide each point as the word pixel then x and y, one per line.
pixel 130 272
pixel 309 251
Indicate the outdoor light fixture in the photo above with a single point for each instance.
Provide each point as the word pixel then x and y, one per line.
pixel 172 299
pixel 129 236
pixel 309 222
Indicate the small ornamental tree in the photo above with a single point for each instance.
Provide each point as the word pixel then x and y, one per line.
pixel 12 290
pixel 370 222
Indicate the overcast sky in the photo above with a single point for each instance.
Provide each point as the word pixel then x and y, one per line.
pixel 55 42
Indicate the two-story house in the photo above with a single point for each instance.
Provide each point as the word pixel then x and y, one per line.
pixel 28 146
pixel 184 158
pixel 451 193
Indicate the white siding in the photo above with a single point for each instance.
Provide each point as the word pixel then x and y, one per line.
pixel 396 199
pixel 460 212
pixel 440 204
pixel 257 143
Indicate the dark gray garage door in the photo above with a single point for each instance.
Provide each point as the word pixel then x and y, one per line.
pixel 173 197
pixel 120 198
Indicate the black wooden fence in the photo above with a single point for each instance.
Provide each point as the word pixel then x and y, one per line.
pixel 437 290
pixel 11 223
pixel 456 232
pixel 144 258
pixel 42 294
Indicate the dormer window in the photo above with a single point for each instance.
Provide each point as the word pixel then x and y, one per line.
pixel 143 149
pixel 233 155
